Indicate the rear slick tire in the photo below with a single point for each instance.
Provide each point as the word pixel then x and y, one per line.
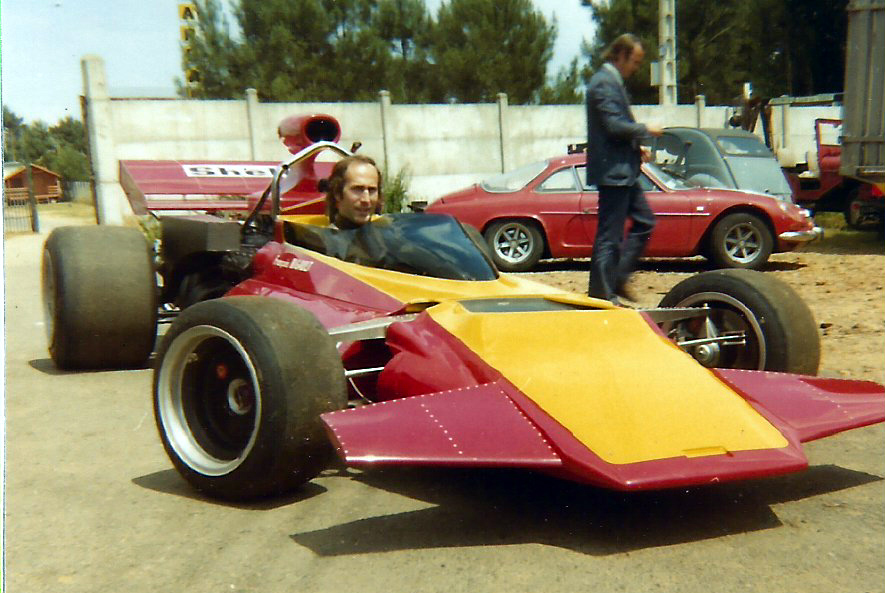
pixel 780 330
pixel 99 297
pixel 239 387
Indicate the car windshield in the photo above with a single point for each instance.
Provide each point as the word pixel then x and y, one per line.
pixel 434 245
pixel 764 176
pixel 742 145
pixel 513 180
pixel 668 180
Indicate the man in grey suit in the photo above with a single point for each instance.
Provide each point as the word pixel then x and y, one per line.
pixel 613 158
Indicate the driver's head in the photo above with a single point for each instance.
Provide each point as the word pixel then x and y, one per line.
pixel 354 193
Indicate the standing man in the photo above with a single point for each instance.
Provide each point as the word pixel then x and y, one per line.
pixel 613 158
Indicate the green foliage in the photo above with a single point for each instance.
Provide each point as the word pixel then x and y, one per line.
pixel 482 48
pixel 793 47
pixel 60 148
pixel 348 50
pixel 566 87
pixel 396 190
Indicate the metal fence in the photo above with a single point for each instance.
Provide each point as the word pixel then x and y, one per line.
pixel 20 209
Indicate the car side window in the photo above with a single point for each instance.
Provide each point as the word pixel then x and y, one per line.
pixel 581 170
pixel 646 184
pixel 560 181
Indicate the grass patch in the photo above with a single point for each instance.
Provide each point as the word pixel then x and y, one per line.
pixel 838 238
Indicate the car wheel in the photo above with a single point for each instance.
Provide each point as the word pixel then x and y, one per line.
pixel 778 329
pixel 516 245
pixel 99 297
pixel 740 240
pixel 238 391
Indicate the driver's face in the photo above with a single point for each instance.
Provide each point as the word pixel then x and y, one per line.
pixel 359 198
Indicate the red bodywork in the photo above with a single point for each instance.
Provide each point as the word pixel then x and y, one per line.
pixel 233 186
pixel 810 189
pixel 568 219
pixel 438 403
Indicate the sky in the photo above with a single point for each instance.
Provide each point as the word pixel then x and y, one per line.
pixel 43 41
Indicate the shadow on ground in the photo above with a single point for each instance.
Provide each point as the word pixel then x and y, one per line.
pixel 488 507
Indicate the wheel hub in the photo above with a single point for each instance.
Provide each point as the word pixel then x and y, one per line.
pixel 240 398
pixel 707 354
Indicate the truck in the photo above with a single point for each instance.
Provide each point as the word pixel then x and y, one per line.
pixel 863 106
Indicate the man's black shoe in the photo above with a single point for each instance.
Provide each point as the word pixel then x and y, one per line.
pixel 627 294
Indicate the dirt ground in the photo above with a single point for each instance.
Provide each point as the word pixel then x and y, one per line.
pixel 93 504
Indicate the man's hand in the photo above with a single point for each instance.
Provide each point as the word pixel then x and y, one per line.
pixel 646 154
pixel 654 129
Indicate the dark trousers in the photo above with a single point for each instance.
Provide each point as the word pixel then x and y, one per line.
pixel 614 256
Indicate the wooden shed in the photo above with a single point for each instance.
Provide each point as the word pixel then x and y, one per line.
pixel 47 184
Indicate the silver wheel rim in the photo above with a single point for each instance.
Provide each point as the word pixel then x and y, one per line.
pixel 743 243
pixel 210 425
pixel 727 314
pixel 513 243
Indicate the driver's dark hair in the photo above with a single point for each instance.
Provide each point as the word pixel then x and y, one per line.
pixel 335 182
pixel 623 44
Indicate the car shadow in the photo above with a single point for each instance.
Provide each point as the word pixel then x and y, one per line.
pixel 47 367
pixel 170 482
pixel 505 507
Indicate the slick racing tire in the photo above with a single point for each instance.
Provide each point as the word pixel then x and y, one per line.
pixel 99 297
pixel 740 240
pixel 779 330
pixel 516 245
pixel 239 386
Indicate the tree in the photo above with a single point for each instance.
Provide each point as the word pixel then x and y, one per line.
pixel 60 148
pixel 482 48
pixel 565 88
pixel 791 47
pixel 348 50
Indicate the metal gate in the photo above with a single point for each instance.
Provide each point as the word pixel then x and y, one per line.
pixel 20 209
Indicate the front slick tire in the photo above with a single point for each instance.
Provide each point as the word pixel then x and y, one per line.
pixel 239 386
pixel 779 328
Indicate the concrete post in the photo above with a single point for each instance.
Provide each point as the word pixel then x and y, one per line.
pixel 111 204
pixel 252 122
pixel 386 138
pixel 700 103
pixel 667 94
pixel 503 132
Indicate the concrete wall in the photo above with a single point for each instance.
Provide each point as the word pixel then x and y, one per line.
pixel 443 147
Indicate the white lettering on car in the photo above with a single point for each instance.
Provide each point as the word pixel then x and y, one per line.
pixel 294 264
pixel 232 170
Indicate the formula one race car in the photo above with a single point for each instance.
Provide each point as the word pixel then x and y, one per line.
pixel 401 343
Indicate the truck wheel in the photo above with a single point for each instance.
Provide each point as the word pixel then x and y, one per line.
pixel 740 240
pixel 99 297
pixel 239 386
pixel 779 330
pixel 516 245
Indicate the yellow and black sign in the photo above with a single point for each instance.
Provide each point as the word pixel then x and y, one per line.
pixel 187 14
pixel 187 11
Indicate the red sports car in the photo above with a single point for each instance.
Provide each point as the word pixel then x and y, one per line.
pixel 546 209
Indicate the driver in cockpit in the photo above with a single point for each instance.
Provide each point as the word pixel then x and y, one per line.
pixel 354 192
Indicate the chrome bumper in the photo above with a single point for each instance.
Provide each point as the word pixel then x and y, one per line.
pixel 802 236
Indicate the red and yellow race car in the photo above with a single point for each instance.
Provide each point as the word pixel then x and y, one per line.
pixel 401 343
